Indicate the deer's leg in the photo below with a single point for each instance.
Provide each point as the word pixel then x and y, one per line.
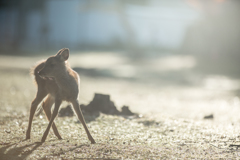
pixel 81 118
pixel 39 97
pixel 54 114
pixel 47 105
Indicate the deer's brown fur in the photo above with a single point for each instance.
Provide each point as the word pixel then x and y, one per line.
pixel 57 82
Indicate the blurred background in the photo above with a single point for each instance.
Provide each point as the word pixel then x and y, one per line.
pixel 177 57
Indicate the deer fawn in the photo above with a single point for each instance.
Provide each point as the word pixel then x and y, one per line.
pixel 56 80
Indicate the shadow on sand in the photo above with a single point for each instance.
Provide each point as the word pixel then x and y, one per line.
pixel 12 151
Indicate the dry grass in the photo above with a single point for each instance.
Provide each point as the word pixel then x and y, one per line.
pixel 164 137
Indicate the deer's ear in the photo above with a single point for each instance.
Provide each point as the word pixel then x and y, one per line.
pixel 63 54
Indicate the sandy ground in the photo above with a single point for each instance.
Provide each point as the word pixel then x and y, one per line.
pixel 170 94
pixel 157 86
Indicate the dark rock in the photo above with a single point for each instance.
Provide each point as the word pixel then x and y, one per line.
pixel 101 103
pixel 67 111
pixel 126 111
pixel 208 116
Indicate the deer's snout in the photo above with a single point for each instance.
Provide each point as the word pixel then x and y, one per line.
pixel 41 74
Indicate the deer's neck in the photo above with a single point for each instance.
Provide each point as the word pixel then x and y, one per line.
pixel 63 78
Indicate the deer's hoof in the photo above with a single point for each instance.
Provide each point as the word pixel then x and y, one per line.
pixel 93 142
